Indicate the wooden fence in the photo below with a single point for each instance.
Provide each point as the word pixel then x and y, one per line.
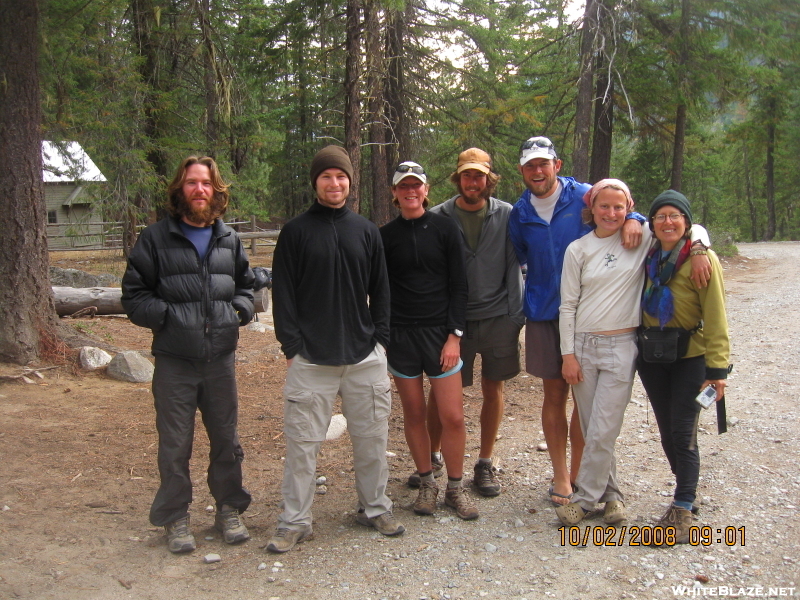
pixel 107 235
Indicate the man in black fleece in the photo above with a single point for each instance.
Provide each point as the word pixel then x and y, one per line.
pixel 331 308
pixel 189 281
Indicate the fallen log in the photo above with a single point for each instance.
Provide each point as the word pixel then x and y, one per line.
pixel 108 300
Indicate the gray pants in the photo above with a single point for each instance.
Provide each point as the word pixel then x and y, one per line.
pixel 608 364
pixel 309 396
pixel 180 388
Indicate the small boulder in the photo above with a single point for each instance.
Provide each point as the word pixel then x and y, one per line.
pixel 336 428
pixel 130 366
pixel 92 358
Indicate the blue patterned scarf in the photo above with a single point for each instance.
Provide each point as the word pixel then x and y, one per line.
pixel 657 300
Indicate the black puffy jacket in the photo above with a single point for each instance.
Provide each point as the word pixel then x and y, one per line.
pixel 191 306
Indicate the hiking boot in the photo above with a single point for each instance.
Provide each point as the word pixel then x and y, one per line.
pixel 425 504
pixel 437 464
pixel 179 538
pixel 285 539
pixel 680 519
pixel 458 499
pixel 485 481
pixel 228 521
pixel 385 523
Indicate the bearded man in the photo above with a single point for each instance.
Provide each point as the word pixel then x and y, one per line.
pixel 188 280
pixel 494 306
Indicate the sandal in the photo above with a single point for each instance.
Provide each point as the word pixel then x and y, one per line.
pixel 551 492
pixel 614 512
pixel 571 514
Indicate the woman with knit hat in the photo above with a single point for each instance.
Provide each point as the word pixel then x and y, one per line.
pixel 671 299
pixel 601 285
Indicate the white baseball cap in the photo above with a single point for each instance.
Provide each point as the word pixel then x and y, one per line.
pixel 408 169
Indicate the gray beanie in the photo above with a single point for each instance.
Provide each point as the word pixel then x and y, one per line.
pixel 671 198
pixel 331 157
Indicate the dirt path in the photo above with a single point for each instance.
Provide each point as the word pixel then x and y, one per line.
pixel 77 473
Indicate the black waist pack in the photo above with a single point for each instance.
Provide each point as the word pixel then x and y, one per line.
pixel 666 345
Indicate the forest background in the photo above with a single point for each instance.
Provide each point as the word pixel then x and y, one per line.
pixel 701 96
pixel 698 95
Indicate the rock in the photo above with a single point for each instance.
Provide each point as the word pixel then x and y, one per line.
pixel 518 523
pixel 542 447
pixel 321 490
pixel 212 558
pixel 322 480
pixel 701 578
pixel 259 327
pixel 262 566
pixel 336 428
pixel 92 358
pixel 490 548
pixel 130 366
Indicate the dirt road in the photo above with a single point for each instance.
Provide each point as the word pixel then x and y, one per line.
pixel 77 474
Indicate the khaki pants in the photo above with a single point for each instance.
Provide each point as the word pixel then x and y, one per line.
pixel 607 363
pixel 309 395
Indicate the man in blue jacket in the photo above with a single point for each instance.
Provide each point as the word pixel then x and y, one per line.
pixel 189 281
pixel 543 222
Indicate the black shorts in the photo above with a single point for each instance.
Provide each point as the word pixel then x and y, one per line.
pixel 496 339
pixel 413 351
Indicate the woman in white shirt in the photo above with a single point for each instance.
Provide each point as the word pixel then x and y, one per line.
pixel 601 285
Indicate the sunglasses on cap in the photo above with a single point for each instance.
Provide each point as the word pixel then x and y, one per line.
pixel 539 142
pixel 410 169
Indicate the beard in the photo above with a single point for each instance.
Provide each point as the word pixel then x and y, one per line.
pixel 201 217
pixel 483 195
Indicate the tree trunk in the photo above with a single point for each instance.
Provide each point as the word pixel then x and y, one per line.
pixel 677 148
pixel 583 101
pixel 748 190
pixel 681 113
pixel 381 203
pixel 209 79
pixel 397 130
pixel 27 315
pixel 603 123
pixel 108 300
pixel 770 169
pixel 352 100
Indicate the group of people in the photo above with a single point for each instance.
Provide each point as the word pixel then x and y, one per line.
pixel 424 295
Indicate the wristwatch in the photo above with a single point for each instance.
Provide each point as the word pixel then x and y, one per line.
pixel 457 332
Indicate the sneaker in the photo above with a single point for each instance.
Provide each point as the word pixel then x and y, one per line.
pixel 458 499
pixel 680 519
pixel 179 538
pixel 385 523
pixel 286 539
pixel 228 521
pixel 485 481
pixel 437 463
pixel 425 504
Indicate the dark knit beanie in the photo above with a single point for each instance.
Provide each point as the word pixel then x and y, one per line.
pixel 331 157
pixel 671 198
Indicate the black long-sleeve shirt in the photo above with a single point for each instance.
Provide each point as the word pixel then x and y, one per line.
pixel 427 274
pixel 330 289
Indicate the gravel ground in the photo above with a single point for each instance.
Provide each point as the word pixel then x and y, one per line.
pixel 750 488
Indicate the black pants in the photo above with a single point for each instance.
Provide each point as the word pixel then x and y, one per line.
pixel 180 387
pixel 672 389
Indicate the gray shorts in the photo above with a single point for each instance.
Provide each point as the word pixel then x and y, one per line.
pixel 543 349
pixel 496 339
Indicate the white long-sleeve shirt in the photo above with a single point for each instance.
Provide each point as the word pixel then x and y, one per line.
pixel 601 284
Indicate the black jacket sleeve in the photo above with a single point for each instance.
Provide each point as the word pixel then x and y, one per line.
pixel 140 298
